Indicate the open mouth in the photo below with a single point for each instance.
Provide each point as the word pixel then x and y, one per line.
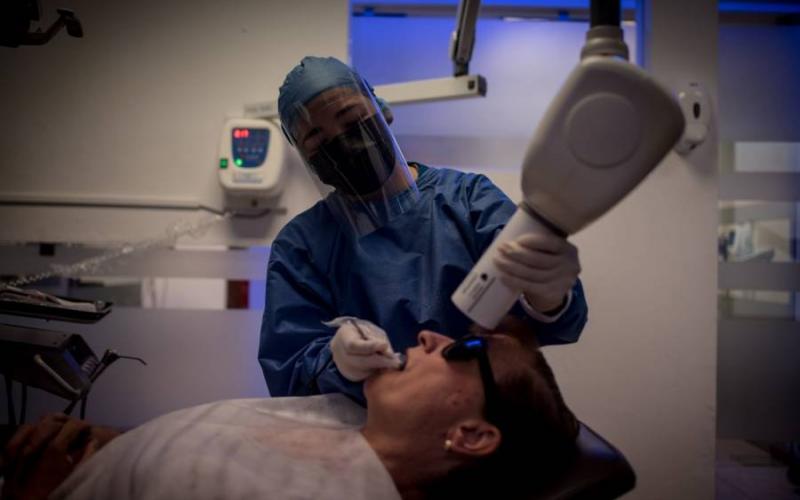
pixel 403 360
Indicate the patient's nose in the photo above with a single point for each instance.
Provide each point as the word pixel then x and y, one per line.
pixel 430 341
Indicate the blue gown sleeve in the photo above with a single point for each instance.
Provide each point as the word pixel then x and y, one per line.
pixel 490 209
pixel 293 351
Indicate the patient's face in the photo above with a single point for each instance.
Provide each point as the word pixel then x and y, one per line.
pixel 431 390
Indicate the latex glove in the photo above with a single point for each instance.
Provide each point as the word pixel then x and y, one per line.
pixel 361 348
pixel 544 266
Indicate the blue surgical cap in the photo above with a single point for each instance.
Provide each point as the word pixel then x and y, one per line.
pixel 310 78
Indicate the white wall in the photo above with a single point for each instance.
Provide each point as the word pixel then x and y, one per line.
pixel 643 374
pixel 525 63
pixel 135 108
pixel 758 92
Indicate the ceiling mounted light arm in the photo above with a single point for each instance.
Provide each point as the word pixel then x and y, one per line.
pixel 605 36
pixel 462 40
pixel 459 86
pixel 414 92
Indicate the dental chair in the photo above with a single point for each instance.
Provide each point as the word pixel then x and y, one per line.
pixel 598 472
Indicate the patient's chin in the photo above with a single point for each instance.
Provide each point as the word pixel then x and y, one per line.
pixel 369 383
pixel 376 380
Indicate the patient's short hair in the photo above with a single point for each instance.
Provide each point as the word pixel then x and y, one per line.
pixel 538 430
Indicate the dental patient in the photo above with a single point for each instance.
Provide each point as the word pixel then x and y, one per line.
pixel 474 418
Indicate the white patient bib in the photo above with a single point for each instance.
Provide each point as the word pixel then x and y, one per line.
pixel 279 448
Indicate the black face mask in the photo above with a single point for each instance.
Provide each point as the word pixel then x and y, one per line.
pixel 358 161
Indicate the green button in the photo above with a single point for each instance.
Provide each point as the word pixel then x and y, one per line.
pixel 238 161
pixel 223 163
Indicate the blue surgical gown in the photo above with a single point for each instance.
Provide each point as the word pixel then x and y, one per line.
pixel 400 277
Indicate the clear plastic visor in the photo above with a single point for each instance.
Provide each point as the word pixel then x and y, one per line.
pixel 347 146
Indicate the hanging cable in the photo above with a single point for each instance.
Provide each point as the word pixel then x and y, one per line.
pixel 83 406
pixel 108 358
pixel 70 407
pixel 24 408
pixel 132 205
pixel 102 261
pixel 12 414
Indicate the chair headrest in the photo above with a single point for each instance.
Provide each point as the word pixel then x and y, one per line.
pixel 598 472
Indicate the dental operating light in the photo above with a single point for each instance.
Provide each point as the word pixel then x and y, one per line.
pixel 610 125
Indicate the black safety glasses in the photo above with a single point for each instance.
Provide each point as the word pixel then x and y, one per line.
pixel 475 347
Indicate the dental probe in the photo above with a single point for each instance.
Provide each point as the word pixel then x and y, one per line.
pixel 394 355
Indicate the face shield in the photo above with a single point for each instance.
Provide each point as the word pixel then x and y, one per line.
pixel 346 144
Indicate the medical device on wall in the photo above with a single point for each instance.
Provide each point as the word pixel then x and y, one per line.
pixel 697 113
pixel 606 129
pixel 252 158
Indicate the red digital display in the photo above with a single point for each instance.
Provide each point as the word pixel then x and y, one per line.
pixel 242 133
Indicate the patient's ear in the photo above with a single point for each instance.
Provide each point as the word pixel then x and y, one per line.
pixel 474 437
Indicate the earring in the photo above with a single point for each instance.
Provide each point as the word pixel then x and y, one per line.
pixel 447 445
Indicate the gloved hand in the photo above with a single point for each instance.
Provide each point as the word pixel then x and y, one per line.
pixel 543 266
pixel 361 348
